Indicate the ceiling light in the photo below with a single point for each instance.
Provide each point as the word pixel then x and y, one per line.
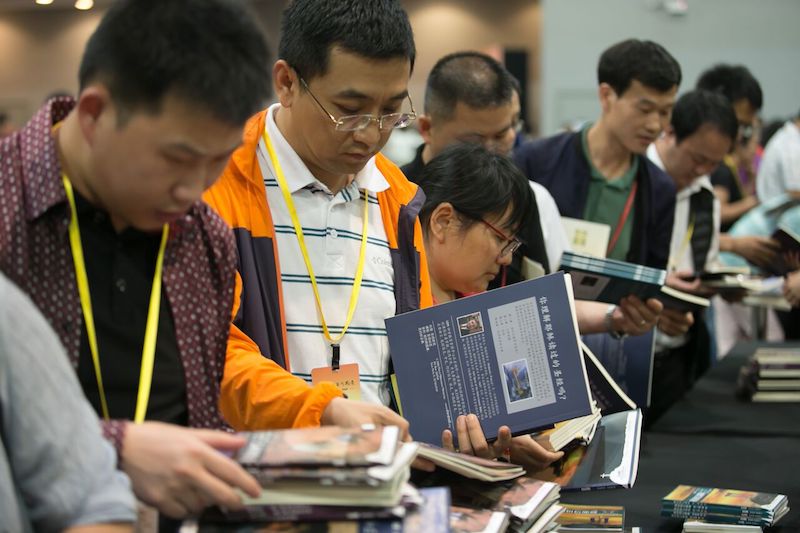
pixel 83 5
pixel 44 2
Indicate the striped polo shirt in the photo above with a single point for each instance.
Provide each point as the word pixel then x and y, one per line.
pixel 332 226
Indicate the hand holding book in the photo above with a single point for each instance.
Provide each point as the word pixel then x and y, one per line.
pixel 521 450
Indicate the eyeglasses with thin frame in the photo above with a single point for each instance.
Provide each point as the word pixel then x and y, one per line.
pixel 386 122
pixel 511 246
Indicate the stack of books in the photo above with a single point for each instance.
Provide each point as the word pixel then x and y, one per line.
pixel 771 375
pixel 723 507
pixel 325 474
pixel 529 505
pixel 610 280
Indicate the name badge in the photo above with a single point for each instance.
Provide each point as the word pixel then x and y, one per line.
pixel 346 378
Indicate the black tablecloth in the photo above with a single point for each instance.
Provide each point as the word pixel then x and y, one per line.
pixel 766 464
pixel 712 408
pixel 712 439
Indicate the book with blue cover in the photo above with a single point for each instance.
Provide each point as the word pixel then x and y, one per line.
pixel 610 280
pixel 510 356
pixel 629 362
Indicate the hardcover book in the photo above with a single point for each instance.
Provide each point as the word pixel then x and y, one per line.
pixel 724 505
pixel 510 356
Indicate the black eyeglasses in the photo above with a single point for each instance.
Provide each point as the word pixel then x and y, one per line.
pixel 386 122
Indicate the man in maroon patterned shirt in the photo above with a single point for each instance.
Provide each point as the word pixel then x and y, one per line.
pixel 165 89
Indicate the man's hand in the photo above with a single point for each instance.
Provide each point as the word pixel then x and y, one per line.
pixel 761 251
pixel 635 317
pixel 180 470
pixel 791 288
pixel 523 450
pixel 675 323
pixel 686 281
pixel 353 413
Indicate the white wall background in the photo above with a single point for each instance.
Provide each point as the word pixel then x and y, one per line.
pixel 764 35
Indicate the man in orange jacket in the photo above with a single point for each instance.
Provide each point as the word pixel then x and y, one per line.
pixel 326 227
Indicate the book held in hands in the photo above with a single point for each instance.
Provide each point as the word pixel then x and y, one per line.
pixel 510 356
pixel 610 280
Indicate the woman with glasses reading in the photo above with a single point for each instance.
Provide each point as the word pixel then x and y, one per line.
pixel 475 203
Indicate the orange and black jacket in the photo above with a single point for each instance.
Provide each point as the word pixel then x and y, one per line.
pixel 265 395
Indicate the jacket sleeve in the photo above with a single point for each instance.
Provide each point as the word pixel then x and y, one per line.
pixel 257 393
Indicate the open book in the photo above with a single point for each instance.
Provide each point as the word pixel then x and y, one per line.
pixel 609 280
pixel 510 356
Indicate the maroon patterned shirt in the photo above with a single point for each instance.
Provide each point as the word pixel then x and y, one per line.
pixel 199 264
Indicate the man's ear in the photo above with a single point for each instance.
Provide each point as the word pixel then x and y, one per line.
pixel 607 96
pixel 286 82
pixel 94 105
pixel 442 219
pixel 424 127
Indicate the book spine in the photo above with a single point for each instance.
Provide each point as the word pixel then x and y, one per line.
pixel 686 506
pixel 720 518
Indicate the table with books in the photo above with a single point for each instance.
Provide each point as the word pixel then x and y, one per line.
pixel 711 438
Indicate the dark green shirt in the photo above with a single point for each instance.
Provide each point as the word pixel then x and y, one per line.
pixel 606 200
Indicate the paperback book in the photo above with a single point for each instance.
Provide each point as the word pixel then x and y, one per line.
pixel 724 505
pixel 510 356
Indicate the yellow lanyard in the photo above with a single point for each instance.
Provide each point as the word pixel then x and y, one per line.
pixel 287 196
pixel 151 330
pixel 682 250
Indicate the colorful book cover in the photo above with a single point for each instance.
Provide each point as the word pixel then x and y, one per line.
pixel 747 507
pixel 329 445
pixel 591 518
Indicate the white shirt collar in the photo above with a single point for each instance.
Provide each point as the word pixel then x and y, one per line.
pixel 296 172
pixel 700 182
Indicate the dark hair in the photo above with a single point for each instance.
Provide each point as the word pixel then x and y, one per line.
pixel 478 183
pixel 644 61
pixel 735 82
pixel 698 108
pixel 374 29
pixel 770 128
pixel 209 52
pixel 469 77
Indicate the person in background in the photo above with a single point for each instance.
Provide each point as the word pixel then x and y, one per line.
pixel 741 88
pixel 601 174
pixel 476 202
pixel 57 473
pixel 471 98
pixel 102 223
pixel 702 131
pixel 780 167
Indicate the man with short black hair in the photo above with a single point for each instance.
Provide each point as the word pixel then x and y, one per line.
pixel 702 130
pixel 326 227
pixel 601 174
pixel 104 229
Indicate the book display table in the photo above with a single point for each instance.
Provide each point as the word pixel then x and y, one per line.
pixel 710 438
